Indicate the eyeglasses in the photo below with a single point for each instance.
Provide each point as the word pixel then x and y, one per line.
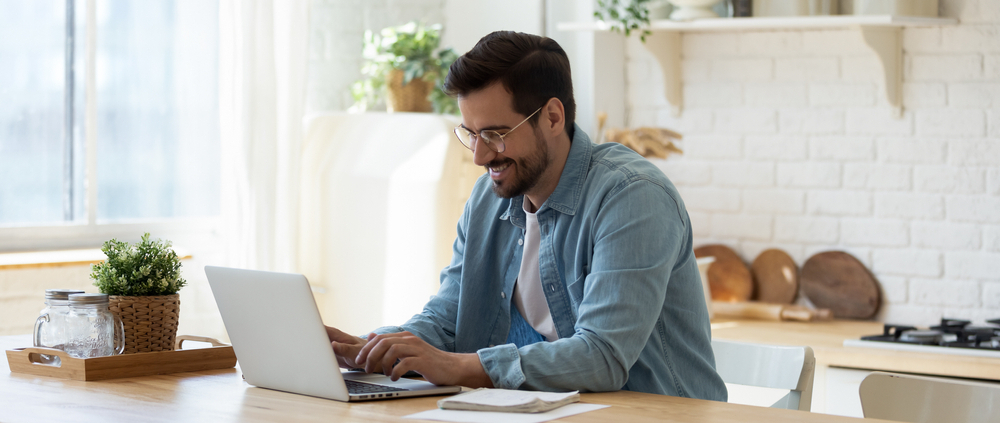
pixel 491 138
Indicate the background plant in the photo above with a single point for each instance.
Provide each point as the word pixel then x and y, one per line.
pixel 413 49
pixel 144 268
pixel 625 16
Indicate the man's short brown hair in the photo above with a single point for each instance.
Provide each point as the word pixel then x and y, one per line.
pixel 532 68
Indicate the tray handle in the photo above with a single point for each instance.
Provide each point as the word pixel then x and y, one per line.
pixel 181 338
pixel 32 356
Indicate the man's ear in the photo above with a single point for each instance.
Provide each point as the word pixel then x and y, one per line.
pixel 553 119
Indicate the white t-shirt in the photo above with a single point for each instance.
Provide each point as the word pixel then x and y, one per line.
pixel 528 295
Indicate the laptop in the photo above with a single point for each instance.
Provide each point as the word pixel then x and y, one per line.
pixel 281 343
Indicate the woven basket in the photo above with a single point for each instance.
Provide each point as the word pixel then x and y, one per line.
pixel 411 97
pixel 150 322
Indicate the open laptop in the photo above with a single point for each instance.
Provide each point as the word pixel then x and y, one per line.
pixel 281 343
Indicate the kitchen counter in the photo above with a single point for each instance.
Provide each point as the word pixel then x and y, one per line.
pixel 827 339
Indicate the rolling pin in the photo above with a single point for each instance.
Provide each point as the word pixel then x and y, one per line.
pixel 767 311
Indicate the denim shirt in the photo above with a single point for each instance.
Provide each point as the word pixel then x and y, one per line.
pixel 619 275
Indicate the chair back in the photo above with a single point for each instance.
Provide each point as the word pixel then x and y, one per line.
pixel 768 366
pixel 918 399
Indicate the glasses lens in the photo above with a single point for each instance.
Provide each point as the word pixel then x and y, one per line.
pixel 494 140
pixel 465 137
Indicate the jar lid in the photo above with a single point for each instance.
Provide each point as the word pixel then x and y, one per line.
pixel 75 299
pixel 60 294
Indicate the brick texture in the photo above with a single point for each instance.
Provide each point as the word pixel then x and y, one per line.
pixel 907 262
pixel 839 203
pixel 974 265
pixel 949 179
pixel 937 292
pixel 915 206
pixel 944 236
pixel 786 148
pixel 790 142
pixel 875 232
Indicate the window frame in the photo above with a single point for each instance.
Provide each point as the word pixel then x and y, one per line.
pixel 89 232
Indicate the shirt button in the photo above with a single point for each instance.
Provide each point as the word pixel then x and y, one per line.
pixel 552 288
pixel 503 295
pixel 520 241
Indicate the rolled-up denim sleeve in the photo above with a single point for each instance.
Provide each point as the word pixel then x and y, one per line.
pixel 503 365
pixel 636 240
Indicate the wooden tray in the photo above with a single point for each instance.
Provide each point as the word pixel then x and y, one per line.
pixel 219 356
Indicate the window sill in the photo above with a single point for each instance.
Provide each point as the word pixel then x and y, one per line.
pixel 57 258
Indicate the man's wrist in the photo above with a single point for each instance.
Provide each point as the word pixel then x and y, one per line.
pixel 475 375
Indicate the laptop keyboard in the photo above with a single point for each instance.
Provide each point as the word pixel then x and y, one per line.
pixel 356 387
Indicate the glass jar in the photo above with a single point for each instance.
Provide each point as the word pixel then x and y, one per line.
pixel 51 324
pixel 93 330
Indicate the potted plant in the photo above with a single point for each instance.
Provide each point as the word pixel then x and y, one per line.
pixel 405 68
pixel 625 16
pixel 142 280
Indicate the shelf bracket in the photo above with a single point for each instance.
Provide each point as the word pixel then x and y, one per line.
pixel 666 47
pixel 887 44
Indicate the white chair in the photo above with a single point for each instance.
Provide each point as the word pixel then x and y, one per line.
pixel 918 399
pixel 768 366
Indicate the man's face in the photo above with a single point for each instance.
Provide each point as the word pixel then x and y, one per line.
pixel 526 156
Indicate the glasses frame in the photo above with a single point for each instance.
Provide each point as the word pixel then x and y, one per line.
pixel 497 146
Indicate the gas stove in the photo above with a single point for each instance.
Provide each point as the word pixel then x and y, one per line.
pixel 952 336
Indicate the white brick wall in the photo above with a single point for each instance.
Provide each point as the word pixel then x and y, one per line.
pixel 790 143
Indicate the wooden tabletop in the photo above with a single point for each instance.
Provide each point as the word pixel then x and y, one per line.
pixel 222 395
pixel 827 342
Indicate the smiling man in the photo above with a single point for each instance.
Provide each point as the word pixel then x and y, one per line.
pixel 573 267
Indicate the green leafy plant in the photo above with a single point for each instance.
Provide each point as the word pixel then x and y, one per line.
pixel 413 49
pixel 141 269
pixel 625 16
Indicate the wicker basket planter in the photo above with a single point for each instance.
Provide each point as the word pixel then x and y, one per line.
pixel 411 97
pixel 150 321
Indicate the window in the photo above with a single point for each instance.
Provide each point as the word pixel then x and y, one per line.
pixel 114 125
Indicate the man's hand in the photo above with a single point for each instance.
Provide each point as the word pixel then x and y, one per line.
pixel 346 347
pixel 412 353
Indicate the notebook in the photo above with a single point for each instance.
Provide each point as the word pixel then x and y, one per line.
pixel 281 343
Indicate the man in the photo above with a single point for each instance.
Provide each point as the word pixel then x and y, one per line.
pixel 573 267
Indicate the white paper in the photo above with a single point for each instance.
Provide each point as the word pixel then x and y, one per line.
pixel 508 397
pixel 494 417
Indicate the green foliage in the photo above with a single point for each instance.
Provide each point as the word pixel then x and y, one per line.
pixel 625 15
pixel 411 49
pixel 141 269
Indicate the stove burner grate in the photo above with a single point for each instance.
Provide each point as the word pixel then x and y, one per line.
pixel 951 333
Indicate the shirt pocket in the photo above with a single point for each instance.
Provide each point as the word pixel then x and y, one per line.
pixel 576 288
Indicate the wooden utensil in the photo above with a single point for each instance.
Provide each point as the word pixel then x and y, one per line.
pixel 775 277
pixel 728 277
pixel 838 281
pixel 768 311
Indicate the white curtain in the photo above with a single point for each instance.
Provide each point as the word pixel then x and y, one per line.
pixel 263 70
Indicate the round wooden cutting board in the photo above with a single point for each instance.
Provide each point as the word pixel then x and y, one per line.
pixel 728 277
pixel 838 281
pixel 775 277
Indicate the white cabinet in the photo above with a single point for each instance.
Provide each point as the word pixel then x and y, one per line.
pixel 836 391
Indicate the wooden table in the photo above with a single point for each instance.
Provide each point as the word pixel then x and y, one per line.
pixel 222 396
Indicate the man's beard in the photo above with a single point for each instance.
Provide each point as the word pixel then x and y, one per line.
pixel 529 171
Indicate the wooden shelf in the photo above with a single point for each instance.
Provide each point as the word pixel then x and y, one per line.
pixel 789 22
pixel 881 33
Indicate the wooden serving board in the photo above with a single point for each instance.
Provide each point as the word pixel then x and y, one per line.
pixel 728 277
pixel 838 281
pixel 28 360
pixel 775 277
